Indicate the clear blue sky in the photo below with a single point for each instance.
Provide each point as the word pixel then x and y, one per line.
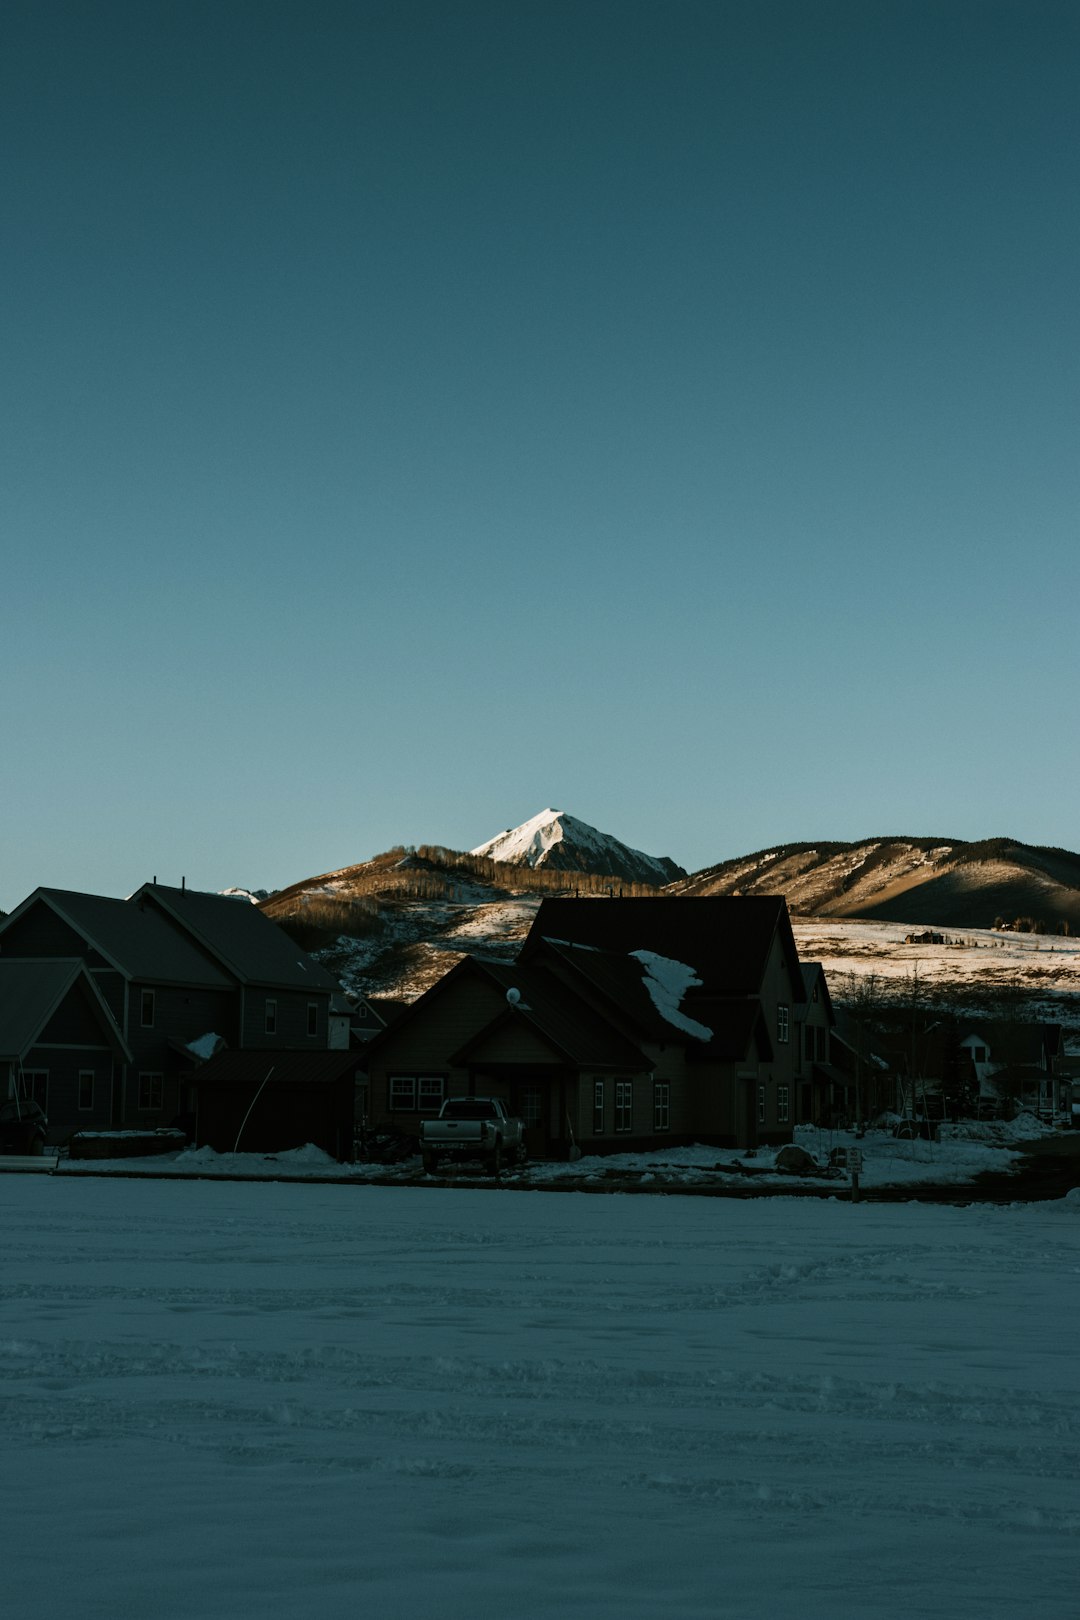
pixel 414 415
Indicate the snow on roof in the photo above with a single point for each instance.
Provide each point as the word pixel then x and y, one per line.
pixel 667 981
pixel 204 1046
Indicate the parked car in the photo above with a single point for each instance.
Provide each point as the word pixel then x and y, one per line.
pixel 23 1127
pixel 473 1128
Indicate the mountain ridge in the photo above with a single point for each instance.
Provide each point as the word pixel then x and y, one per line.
pixel 398 921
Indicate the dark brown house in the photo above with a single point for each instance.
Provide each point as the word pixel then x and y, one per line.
pixel 624 1023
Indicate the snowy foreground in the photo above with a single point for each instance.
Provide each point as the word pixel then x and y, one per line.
pixel 228 1400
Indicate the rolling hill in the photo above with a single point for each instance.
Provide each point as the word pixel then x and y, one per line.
pixel 929 882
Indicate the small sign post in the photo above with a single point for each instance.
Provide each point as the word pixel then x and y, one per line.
pixel 854 1164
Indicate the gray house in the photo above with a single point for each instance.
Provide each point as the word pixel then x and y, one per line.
pixel 181 972
pixel 60 1045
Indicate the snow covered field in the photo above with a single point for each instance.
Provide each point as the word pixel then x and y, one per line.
pixel 224 1400
pixel 1043 968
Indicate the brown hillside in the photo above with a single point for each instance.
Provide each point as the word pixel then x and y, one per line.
pixel 944 882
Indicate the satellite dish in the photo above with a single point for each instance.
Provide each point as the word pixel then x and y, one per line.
pixel 513 996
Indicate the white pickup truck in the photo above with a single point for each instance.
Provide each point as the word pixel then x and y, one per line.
pixel 472 1128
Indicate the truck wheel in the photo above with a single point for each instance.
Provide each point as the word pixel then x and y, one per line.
pixel 496 1162
pixel 37 1147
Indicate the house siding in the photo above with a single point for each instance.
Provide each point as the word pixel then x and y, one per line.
pixel 291 1031
pixel 63 1065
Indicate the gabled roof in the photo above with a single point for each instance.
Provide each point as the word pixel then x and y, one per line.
pixel 1014 1042
pixel 31 990
pixel 574 1029
pixel 726 939
pixel 619 979
pixel 251 947
pixel 555 1010
pixel 139 944
pixel 814 979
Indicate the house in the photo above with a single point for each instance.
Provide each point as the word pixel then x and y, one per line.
pixel 624 1023
pixel 180 972
pixel 1016 1063
pixel 60 1045
pixel 270 1102
pixel 860 1080
pixel 821 1087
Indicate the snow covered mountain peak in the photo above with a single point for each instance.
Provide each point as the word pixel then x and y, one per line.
pixel 555 839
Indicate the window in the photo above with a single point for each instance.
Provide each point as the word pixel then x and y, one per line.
pixel 313 1017
pixel 808 1042
pixel 978 1054
pixel 402 1093
pixel 151 1088
pixel 430 1088
pixel 409 1092
pixel 270 1024
pixel 823 1045
pixel 782 1104
pixel 598 1108
pixel 662 1105
pixel 624 1105
pixel 761 1105
pixel 34 1087
pixel 86 1088
pixel 146 1009
pixel 783 1021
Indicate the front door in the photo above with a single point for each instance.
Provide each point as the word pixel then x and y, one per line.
pixel 530 1101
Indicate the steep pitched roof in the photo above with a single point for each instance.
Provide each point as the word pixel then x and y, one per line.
pixel 726 939
pixel 139 943
pixel 251 947
pixel 575 1029
pixel 31 990
pixel 814 979
pixel 1014 1042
